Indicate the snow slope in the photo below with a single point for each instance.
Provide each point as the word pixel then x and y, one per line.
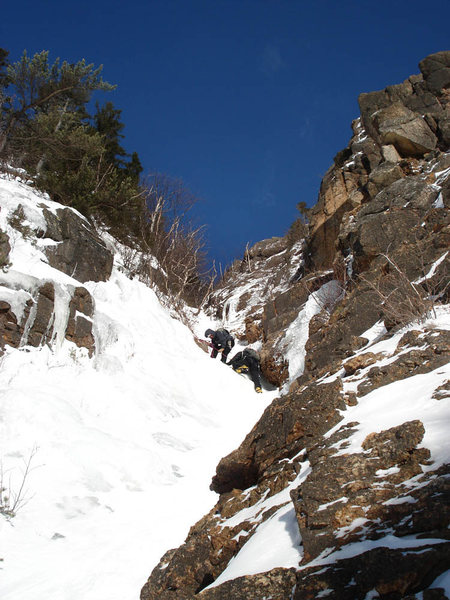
pixel 123 446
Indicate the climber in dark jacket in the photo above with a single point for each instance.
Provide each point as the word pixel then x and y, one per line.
pixel 221 341
pixel 248 361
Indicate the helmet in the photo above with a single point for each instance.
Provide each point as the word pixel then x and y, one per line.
pixel 209 332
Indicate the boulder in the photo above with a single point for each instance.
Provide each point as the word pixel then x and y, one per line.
pixel 80 252
pixel 390 154
pixel 394 219
pixel 383 175
pixel 361 361
pixel 371 103
pixel 407 131
pixel 253 330
pixel 282 432
pixel 274 366
pixel 410 192
pixel 436 71
pixel 79 325
pixel 268 248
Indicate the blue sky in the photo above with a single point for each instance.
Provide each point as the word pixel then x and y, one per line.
pixel 246 101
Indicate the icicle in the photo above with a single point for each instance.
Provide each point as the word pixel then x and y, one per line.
pixel 28 324
pixel 63 296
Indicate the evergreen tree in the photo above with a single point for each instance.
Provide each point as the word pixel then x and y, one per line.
pixel 4 79
pixel 133 168
pixel 3 68
pixel 107 123
pixel 41 88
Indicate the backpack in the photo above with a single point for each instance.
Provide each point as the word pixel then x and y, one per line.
pixel 228 336
pixel 251 352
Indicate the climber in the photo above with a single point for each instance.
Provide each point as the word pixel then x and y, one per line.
pixel 248 361
pixel 221 342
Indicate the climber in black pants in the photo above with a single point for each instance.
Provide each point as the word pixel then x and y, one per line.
pixel 248 361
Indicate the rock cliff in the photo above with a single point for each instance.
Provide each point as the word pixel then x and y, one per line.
pixel 37 309
pixel 369 506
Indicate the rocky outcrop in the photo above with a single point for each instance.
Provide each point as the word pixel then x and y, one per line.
pixel 4 249
pixel 388 573
pixel 39 322
pixel 341 489
pixel 380 232
pixel 398 124
pixel 79 251
pixel 79 323
pixel 282 432
pixel 402 128
pixel 436 71
pixel 36 311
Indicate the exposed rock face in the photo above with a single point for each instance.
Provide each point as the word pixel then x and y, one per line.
pixel 79 324
pixel 80 252
pixel 436 71
pixel 404 121
pixel 342 489
pixel 402 128
pixel 9 329
pixel 35 312
pixel 390 573
pixel 4 249
pixel 36 324
pixel 282 432
pixel 276 584
pixel 379 227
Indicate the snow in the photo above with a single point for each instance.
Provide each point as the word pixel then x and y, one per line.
pixel 443 581
pixel 406 400
pixel 296 335
pixel 432 269
pixel 343 499
pixel 374 333
pixel 439 202
pixel 276 541
pixel 123 445
pixel 126 447
pixel 256 556
pixel 408 543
